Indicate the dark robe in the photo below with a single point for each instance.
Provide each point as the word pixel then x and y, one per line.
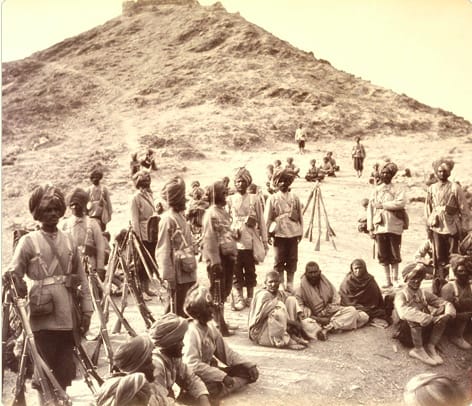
pixel 362 293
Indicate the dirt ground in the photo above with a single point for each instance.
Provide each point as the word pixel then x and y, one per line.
pixel 364 367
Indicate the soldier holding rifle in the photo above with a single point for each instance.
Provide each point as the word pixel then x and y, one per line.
pixel 51 261
pixel 219 251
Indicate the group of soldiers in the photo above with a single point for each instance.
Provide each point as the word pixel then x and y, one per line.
pixel 236 232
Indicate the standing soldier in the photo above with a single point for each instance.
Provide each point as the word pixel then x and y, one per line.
pixel 51 260
pixel 386 218
pixel 219 251
pixel 447 215
pixel 99 199
pixel 284 210
pixel 142 209
pixel 85 231
pixel 175 250
pixel 248 223
pixel 300 138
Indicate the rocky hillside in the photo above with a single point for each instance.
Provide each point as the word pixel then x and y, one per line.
pixel 182 78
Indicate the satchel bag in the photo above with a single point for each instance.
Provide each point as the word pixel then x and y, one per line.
pixel 41 303
pixel 90 248
pixel 227 244
pixel 258 249
pixel 184 256
pixel 152 227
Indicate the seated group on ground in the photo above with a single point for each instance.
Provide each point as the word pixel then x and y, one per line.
pixel 235 228
pixel 327 168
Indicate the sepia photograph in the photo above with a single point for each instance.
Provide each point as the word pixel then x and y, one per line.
pixel 236 202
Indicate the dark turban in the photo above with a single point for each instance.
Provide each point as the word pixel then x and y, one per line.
pixel 168 330
pixel 409 272
pixel 217 189
pixel 96 173
pixel 173 192
pixel 197 297
pixel 140 176
pixel 124 390
pixel 132 355
pixel 78 196
pixel 391 168
pixel 457 260
pixel 286 176
pixel 449 163
pixel 42 197
pixel 244 174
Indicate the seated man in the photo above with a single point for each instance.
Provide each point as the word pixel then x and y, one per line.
pixel 416 324
pixel 332 161
pixel 314 174
pixel 204 347
pixel 167 335
pixel 135 355
pixel 273 313
pixel 459 293
pixel 319 300
pixel 131 389
pixel 290 165
pixel 327 168
pixel 359 289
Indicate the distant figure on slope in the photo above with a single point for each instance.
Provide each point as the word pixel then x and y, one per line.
pixel 134 165
pixel 358 155
pixel 148 161
pixel 300 138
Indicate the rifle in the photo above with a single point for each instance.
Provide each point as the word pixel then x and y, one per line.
pixel 437 277
pixel 51 392
pixel 94 291
pixel 218 303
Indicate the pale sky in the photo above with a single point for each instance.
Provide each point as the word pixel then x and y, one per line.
pixel 418 47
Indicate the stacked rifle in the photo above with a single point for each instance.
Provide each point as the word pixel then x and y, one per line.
pixel 317 212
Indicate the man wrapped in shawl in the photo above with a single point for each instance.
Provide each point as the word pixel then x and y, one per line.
pixel 318 299
pixel 447 214
pixel 359 289
pixel 99 204
pixel 167 335
pixel 459 293
pixel 205 348
pixel 174 234
pixel 284 210
pixel 274 317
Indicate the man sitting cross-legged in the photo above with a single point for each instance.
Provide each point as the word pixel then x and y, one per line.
pixel 417 325
pixel 459 293
pixel 204 348
pixel 319 300
pixel 167 335
pixel 275 319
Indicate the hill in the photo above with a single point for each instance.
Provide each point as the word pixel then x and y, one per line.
pixel 209 91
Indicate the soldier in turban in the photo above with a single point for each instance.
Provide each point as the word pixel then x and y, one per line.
pixel 175 250
pixel 135 355
pixel 421 317
pixel 48 257
pixel 447 216
pixel 386 220
pixel 283 208
pixel 248 225
pixel 128 390
pixel 459 293
pixel 167 334
pixel 203 344
pixel 142 210
pixel 99 199
pixel 85 231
